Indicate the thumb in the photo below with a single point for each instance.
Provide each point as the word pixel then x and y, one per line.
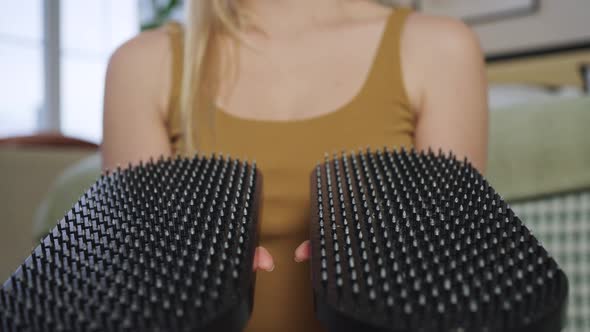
pixel 263 260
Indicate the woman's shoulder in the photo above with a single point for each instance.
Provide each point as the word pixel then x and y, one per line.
pixel 440 33
pixel 432 45
pixel 146 51
pixel 145 61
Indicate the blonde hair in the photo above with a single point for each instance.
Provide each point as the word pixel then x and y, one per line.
pixel 205 21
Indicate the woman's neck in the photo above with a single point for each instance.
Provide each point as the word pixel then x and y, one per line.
pixel 288 17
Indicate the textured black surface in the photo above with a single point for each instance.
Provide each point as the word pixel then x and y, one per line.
pixel 163 246
pixel 406 241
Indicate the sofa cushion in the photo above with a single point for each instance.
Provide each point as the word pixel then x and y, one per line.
pixel 64 192
pixel 540 149
pixel 25 175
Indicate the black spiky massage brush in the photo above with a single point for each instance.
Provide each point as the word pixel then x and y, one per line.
pixel 163 246
pixel 417 242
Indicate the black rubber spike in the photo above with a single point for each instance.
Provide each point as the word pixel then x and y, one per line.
pixel 405 241
pixel 163 246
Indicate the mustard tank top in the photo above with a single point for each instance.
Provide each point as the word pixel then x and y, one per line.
pixel 287 152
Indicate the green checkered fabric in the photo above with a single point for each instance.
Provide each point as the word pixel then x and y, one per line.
pixel 562 224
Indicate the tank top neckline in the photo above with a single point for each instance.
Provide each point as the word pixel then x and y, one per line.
pixel 346 107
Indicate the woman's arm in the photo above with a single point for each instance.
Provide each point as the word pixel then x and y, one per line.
pixel 447 86
pixel 136 101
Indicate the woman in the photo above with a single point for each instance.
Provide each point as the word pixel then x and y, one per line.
pixel 283 82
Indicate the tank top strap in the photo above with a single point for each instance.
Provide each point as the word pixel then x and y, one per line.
pixel 175 33
pixel 386 77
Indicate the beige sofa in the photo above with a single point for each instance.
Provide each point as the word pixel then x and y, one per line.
pixel 26 174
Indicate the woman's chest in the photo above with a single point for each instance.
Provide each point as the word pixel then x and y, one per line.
pixel 300 78
pixel 288 150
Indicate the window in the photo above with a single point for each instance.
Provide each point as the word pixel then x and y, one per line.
pixel 90 31
pixel 21 66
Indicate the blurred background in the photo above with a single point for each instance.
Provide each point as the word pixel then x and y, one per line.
pixel 53 57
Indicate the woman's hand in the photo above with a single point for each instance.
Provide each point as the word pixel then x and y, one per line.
pixel 263 260
pixel 303 252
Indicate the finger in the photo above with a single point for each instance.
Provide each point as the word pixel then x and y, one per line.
pixel 255 261
pixel 303 252
pixel 263 260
